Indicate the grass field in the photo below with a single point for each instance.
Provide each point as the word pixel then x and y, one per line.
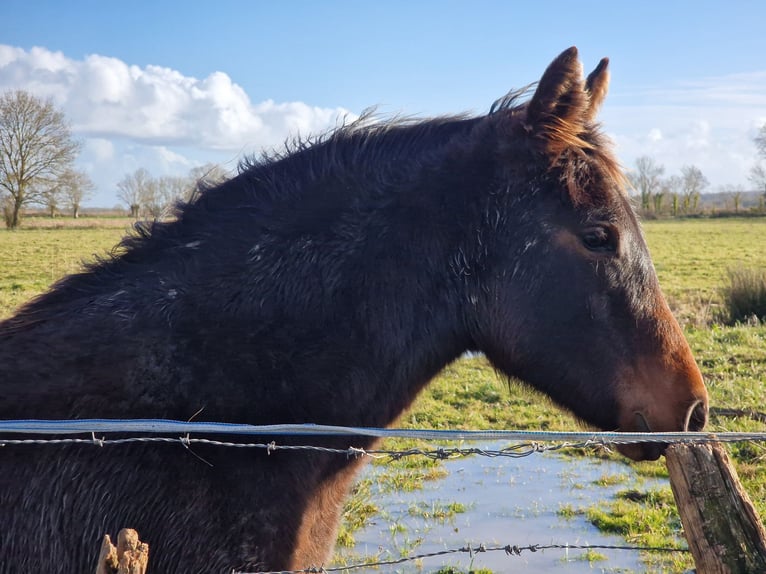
pixel 691 257
pixel 33 258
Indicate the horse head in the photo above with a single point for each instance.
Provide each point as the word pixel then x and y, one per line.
pixel 569 296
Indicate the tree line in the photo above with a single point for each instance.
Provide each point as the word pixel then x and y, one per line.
pixel 37 154
pixel 676 194
pixel 154 197
pixel 679 194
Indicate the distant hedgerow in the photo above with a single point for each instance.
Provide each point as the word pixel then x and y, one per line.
pixel 745 295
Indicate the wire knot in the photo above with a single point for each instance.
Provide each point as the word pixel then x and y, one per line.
pixel 354 452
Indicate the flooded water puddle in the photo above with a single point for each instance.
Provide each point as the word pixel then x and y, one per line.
pixel 504 501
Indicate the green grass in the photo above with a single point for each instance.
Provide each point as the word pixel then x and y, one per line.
pixel 646 519
pixel 745 295
pixel 32 259
pixel 692 258
pixel 436 511
pixel 357 513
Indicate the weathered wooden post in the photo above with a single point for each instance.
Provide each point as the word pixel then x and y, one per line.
pixel 721 525
pixel 130 556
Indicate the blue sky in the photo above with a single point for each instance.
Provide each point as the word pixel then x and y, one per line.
pixel 170 85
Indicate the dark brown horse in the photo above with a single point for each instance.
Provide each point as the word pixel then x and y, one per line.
pixel 329 284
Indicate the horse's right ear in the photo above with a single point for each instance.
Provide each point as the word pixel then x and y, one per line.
pixel 559 109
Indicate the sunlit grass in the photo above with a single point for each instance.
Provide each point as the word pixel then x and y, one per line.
pixel 693 258
pixel 745 295
pixel 32 259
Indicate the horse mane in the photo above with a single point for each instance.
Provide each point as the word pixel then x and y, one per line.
pixel 377 152
pixel 370 146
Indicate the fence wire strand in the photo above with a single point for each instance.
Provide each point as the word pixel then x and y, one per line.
pixel 510 550
pixel 518 450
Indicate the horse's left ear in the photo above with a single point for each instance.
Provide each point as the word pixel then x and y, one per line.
pixel 597 85
pixel 564 103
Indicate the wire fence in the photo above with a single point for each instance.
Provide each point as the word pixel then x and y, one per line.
pixel 524 443
pixel 163 426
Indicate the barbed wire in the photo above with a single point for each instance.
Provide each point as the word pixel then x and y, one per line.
pixel 519 450
pixel 159 426
pixel 515 451
pixel 508 549
pixel 525 442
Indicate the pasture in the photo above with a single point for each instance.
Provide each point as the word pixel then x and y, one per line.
pixel 691 257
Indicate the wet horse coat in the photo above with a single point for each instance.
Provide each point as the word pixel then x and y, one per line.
pixel 329 284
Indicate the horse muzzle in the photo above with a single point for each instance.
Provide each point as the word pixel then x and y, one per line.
pixel 695 419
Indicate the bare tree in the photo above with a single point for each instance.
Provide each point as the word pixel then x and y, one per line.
pixel 163 194
pixel 76 186
pixel 646 179
pixel 758 171
pixel 36 147
pixel 669 187
pixel 734 192
pixel 203 177
pixel 693 183
pixel 758 177
pixel 50 197
pixel 177 190
pixel 133 190
pixel 760 141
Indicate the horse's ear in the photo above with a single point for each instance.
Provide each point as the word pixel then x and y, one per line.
pixel 559 109
pixel 597 86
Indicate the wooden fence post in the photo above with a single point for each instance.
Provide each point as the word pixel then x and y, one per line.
pixel 721 525
pixel 130 556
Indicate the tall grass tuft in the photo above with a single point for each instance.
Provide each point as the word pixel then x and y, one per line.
pixel 745 295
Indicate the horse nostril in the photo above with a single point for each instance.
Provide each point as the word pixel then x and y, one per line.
pixel 696 417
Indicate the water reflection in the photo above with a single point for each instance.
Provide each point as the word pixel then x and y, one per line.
pixel 519 502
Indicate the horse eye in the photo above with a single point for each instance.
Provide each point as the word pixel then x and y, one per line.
pixel 598 239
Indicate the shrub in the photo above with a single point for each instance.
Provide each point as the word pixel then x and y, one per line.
pixel 745 295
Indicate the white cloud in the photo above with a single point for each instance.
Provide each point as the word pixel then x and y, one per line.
pixel 709 123
pixel 654 135
pixel 154 117
pixel 99 148
pixel 106 98
pixel 170 157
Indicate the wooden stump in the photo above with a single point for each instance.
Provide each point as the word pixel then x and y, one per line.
pixel 721 525
pixel 130 556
